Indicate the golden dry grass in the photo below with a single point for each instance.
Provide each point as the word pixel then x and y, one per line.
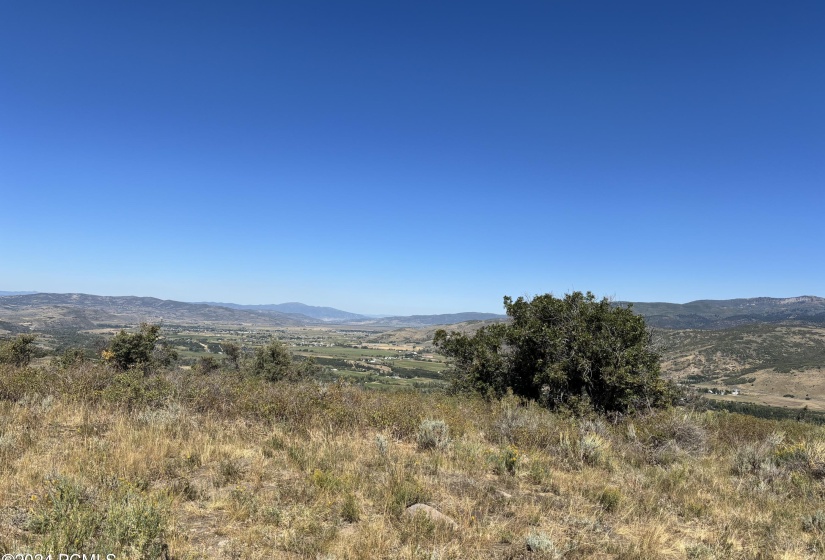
pixel 226 466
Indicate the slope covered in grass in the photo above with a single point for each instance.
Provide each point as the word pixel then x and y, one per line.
pixel 229 466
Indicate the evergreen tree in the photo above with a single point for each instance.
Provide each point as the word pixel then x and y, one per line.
pixel 574 352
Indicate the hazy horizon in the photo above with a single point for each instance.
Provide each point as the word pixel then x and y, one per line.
pixel 413 158
pixel 376 314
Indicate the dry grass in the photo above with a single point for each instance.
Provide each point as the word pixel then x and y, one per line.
pixel 224 466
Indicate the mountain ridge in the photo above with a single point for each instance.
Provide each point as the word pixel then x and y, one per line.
pixel 87 309
pixel 722 314
pixel 84 311
pixel 326 314
pixel 49 310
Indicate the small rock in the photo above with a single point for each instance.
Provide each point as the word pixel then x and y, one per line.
pixel 432 513
pixel 504 494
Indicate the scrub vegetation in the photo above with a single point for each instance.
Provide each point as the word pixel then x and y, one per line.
pixel 573 353
pixel 231 465
pixel 257 457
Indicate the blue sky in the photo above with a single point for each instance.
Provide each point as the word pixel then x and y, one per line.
pixel 413 157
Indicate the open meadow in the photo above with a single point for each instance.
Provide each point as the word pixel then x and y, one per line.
pixel 226 465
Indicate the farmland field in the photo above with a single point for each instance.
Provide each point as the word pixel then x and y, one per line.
pixel 341 353
pixel 779 365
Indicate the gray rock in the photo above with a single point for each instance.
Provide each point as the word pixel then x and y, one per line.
pixel 432 513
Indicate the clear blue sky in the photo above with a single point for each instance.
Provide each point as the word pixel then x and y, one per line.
pixel 413 157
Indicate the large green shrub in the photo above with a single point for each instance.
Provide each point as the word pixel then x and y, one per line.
pixel 18 351
pixel 233 353
pixel 128 350
pixel 273 362
pixel 575 352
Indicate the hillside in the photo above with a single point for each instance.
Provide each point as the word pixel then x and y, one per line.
pixel 326 314
pixel 723 314
pixel 429 320
pixel 743 350
pixel 766 361
pixel 83 311
pixel 702 314
pixel 227 465
pixel 777 365
pixel 231 466
pixel 338 317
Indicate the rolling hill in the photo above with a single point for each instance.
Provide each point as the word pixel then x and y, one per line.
pixel 723 314
pixel 325 314
pixel 429 320
pixel 84 311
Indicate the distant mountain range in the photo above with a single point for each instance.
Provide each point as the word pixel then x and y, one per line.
pixel 84 311
pixel 723 314
pixel 430 320
pixel 325 314
pixel 336 316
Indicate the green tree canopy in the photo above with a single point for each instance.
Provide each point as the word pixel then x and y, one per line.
pixel 232 352
pixel 564 352
pixel 273 362
pixel 19 350
pixel 133 349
